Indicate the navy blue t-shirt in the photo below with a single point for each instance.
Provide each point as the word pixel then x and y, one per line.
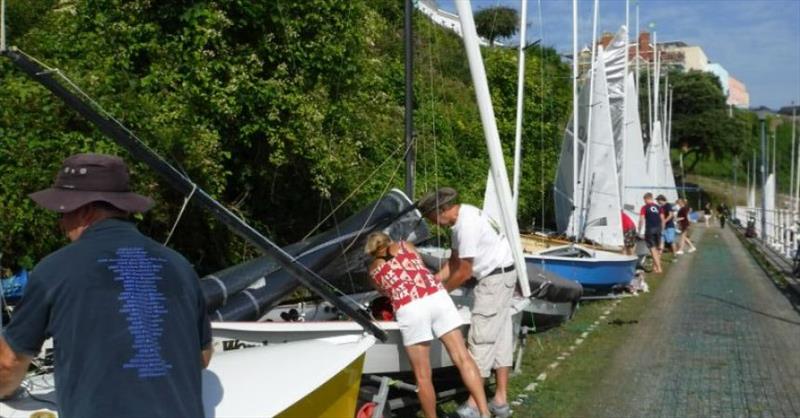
pixel 652 217
pixel 666 209
pixel 128 322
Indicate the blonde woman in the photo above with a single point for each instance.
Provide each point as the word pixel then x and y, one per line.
pixel 423 309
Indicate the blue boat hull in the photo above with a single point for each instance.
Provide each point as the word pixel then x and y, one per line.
pixel 593 274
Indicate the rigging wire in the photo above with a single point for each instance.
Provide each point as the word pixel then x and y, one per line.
pixel 542 69
pixel 180 214
pixel 431 76
pixel 369 178
pixel 375 206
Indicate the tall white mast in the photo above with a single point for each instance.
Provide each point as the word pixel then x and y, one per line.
pixel 575 130
pixel 791 176
pixel 624 101
pixel 497 163
pixel 2 25
pixel 797 181
pixel 664 107
pixel 747 190
pixel 636 78
pixel 520 101
pixel 669 120
pixel 656 75
pixel 587 148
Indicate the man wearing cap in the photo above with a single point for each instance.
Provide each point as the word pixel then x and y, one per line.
pixel 126 314
pixel 479 251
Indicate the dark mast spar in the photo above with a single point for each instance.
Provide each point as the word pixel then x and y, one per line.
pixel 409 105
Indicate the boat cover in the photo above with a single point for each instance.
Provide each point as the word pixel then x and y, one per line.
pixel 336 255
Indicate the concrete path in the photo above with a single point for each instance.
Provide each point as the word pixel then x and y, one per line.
pixel 719 341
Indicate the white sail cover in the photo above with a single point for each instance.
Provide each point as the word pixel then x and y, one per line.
pixel 597 211
pixel 671 191
pixel 655 160
pixel 769 210
pixel 564 195
pixel 615 58
pixel 637 182
pixel 601 221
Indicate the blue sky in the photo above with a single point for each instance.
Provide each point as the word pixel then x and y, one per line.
pixel 757 41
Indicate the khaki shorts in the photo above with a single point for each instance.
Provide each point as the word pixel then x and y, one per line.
pixel 491 333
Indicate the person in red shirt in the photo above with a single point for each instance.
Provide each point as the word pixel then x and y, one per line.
pixel 423 309
pixel 628 233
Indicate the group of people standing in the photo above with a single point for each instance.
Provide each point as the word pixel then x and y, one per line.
pixel 657 227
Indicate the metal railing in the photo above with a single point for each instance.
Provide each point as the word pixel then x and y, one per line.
pixel 782 228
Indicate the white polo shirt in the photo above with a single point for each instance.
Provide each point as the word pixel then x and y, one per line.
pixel 477 236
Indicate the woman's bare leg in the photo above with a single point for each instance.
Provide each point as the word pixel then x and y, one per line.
pixel 454 343
pixel 420 357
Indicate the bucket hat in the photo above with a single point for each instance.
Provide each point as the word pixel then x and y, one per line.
pixel 434 200
pixel 86 178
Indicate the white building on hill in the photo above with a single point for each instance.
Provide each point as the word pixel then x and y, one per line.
pixel 444 18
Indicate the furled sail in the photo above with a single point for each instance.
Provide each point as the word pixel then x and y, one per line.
pixel 615 57
pixel 566 196
pixel 601 221
pixel 636 180
pixel 769 209
pixel 596 199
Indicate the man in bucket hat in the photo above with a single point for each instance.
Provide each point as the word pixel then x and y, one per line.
pixel 479 251
pixel 127 316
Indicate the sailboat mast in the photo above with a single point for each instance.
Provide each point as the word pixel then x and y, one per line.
pixel 520 101
pixel 497 163
pixel 409 103
pixel 587 148
pixel 664 108
pixel 624 103
pixel 637 49
pixel 747 190
pixel 656 75
pixel 797 181
pixel 791 172
pixel 669 119
pixel 2 25
pixel 649 100
pixel 575 129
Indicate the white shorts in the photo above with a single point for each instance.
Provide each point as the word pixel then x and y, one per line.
pixel 430 315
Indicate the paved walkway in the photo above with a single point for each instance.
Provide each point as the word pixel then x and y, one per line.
pixel 719 341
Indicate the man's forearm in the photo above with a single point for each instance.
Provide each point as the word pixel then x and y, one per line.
pixel 456 280
pixel 206 354
pixel 12 369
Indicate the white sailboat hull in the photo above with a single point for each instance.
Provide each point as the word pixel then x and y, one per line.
pixel 255 382
pixel 384 358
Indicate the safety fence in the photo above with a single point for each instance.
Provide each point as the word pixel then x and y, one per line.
pixel 780 227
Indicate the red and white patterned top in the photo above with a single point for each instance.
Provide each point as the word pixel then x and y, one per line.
pixel 405 278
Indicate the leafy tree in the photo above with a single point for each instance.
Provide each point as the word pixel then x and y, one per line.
pixel 281 110
pixel 701 125
pixel 497 22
